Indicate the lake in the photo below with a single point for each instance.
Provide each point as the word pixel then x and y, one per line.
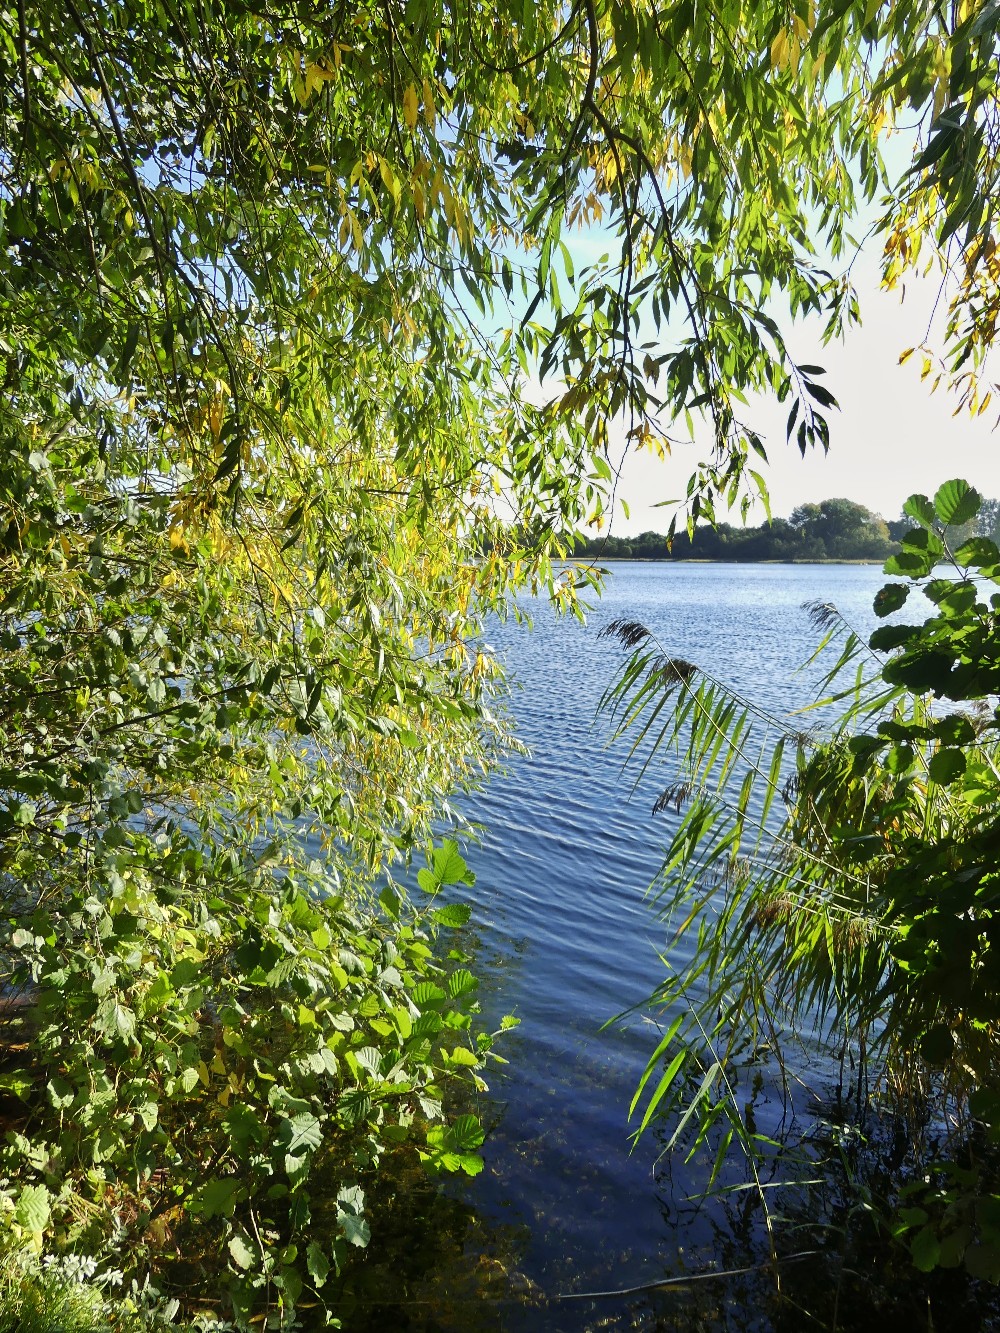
pixel 565 939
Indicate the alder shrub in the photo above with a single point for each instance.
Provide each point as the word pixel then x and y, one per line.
pixel 850 896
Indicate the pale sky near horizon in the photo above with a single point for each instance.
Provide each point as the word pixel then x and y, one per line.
pixel 891 437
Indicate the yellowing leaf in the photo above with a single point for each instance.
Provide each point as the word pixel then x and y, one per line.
pixel 410 107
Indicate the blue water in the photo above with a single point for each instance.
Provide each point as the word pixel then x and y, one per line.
pixel 567 939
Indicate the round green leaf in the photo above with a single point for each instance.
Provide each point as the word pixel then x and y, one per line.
pixel 937 1045
pixel 956 502
pixel 920 508
pixel 979 552
pixel 925 1249
pixel 899 758
pixel 890 598
pixel 955 729
pixel 947 766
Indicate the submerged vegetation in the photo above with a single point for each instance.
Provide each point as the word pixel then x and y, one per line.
pixel 867 914
pixel 275 284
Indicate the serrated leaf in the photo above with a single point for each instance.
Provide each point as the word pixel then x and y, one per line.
pixel 920 508
pixel 956 502
pixel 216 1198
pixel 461 1056
pixel 115 1020
pixel 317 1263
pixel 427 993
pixel 428 881
pixel 449 865
pixel 911 564
pixel 465 1133
pixel 355 1229
pixel 300 1135
pixel 453 916
pixel 148 1113
pixel 33 1208
pixel 889 637
pixel 20 1084
pixel 978 552
pixel 350 1207
pixel 461 982
pixel 243 1256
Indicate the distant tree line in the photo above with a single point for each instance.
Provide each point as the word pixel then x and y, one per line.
pixel 835 529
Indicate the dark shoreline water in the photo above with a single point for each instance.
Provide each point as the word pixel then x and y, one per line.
pixel 564 937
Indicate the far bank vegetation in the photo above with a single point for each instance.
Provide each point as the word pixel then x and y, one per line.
pixel 831 530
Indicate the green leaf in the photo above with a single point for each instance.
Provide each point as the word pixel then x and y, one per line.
pixel 461 982
pixel 983 1261
pixel 20 1083
pixel 920 508
pixel 33 1208
pixel 947 766
pixel 956 502
pixel 300 1135
pixel 955 729
pixel 453 916
pixel 24 814
pixel 148 1113
pixel 449 867
pixel 911 564
pixel 350 1207
pixel 115 1020
pixel 216 1198
pixel 243 1256
pixel 890 636
pixel 899 758
pixel 426 994
pixel 925 1249
pixel 978 553
pixel 428 881
pixel 462 1057
pixel 465 1134
pixel 890 598
pixel 355 1229
pixel 938 1044
pixel 317 1263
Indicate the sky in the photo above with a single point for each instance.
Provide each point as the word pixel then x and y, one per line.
pixel 892 436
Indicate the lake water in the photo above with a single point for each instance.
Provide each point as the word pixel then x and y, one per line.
pixel 565 939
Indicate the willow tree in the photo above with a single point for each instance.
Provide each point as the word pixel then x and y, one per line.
pixel 273 284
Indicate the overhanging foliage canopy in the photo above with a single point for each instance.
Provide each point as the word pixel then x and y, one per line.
pixel 272 283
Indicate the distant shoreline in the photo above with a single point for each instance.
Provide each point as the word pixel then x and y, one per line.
pixel 707 560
